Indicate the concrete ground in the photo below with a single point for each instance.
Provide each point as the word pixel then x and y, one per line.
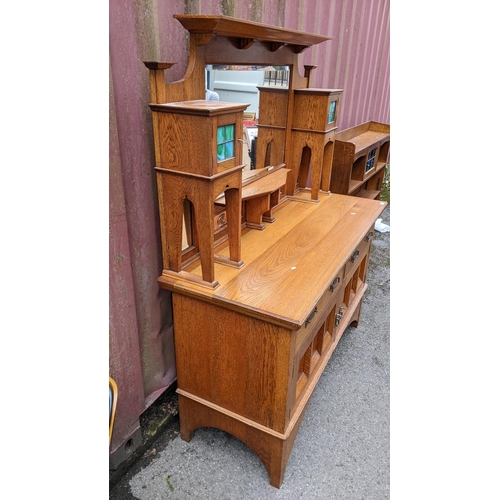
pixel 342 447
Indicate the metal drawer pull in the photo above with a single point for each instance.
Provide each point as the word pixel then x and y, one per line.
pixel 369 236
pixel 311 316
pixel 354 256
pixel 339 316
pixel 334 283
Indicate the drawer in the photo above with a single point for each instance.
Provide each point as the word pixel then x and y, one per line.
pixel 319 312
pixel 316 345
pixel 358 254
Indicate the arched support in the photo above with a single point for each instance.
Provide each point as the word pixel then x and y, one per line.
pixel 201 192
pixel 326 170
pixel 273 448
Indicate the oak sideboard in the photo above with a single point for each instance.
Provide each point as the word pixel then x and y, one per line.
pixel 266 273
pixel 250 352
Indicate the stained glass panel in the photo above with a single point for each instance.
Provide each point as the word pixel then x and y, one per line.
pixel 225 142
pixel 370 163
pixel 331 112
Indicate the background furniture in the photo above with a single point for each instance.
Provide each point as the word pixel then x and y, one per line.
pixel 359 160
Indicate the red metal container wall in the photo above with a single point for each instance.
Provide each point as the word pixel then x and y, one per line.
pixel 357 60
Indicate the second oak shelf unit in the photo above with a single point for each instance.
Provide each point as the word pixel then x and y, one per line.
pixel 360 156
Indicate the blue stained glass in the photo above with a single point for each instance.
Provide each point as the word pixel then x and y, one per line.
pixel 229 149
pixel 370 163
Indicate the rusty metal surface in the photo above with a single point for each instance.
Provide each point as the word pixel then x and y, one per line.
pixel 357 60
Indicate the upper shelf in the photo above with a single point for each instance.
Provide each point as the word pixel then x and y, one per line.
pixel 367 140
pixel 239 29
pixel 365 135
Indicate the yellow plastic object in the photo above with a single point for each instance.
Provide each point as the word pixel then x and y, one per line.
pixel 113 397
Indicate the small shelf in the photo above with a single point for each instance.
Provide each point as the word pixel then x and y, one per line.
pixel 366 140
pixel 359 160
pixel 354 186
pixel 370 194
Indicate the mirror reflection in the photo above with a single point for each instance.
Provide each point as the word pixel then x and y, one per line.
pixel 237 83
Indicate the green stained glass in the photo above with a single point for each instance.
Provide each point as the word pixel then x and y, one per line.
pixel 225 142
pixel 220 135
pixel 331 112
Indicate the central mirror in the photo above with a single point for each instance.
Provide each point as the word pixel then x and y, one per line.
pixel 238 83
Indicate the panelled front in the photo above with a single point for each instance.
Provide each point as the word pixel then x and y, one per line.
pixel 358 253
pixel 331 315
pixel 257 369
pixel 314 340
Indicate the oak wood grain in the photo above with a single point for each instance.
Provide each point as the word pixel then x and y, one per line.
pixel 352 146
pixel 307 243
pixel 257 314
pixel 226 26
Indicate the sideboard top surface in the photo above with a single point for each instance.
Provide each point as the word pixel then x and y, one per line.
pixel 288 265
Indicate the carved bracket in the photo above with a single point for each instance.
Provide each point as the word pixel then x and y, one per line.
pixel 242 43
pixel 202 38
pixel 158 65
pixel 298 49
pixel 273 46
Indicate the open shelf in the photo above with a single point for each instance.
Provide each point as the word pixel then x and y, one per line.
pixel 360 156
pixel 370 194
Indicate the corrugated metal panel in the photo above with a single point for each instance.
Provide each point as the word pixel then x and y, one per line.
pixel 356 60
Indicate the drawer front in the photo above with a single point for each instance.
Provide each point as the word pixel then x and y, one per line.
pixel 319 312
pixel 314 346
pixel 358 254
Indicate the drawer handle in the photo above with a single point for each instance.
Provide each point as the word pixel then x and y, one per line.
pixel 354 256
pixel 334 283
pixel 339 316
pixel 369 236
pixel 311 316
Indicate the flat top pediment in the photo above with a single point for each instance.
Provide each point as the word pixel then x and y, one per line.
pixel 232 27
